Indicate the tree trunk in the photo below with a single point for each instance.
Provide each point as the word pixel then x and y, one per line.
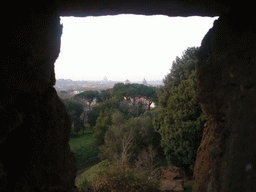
pixel 149 103
pixel 90 105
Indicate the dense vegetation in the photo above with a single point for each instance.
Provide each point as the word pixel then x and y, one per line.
pixel 181 118
pixel 75 109
pixel 84 148
pixel 124 139
pixel 134 137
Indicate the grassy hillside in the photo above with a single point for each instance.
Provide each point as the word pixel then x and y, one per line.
pixel 84 148
pixel 89 174
pixel 85 180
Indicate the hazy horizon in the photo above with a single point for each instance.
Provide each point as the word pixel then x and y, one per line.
pixel 109 80
pixel 124 47
pixel 140 80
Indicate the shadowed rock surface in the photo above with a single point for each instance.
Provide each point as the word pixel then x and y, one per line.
pixel 227 91
pixel 144 7
pixel 35 127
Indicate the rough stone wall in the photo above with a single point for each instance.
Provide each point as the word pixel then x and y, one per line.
pixel 35 127
pixel 226 74
pixel 203 160
pixel 145 7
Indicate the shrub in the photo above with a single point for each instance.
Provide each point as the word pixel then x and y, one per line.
pixel 147 160
pixel 188 188
pixel 124 139
pixel 86 186
pixel 102 124
pixel 88 179
pixel 122 179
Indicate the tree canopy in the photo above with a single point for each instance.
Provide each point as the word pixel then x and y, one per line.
pixel 133 91
pixel 75 110
pixel 89 96
pixel 182 67
pixel 124 139
pixel 181 118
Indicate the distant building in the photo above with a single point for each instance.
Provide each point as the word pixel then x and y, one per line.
pixel 127 82
pixel 77 92
pixel 105 79
pixel 144 82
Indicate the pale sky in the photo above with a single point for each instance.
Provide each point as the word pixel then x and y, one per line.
pixel 126 46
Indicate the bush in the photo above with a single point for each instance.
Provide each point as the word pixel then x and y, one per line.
pixel 86 186
pixel 188 188
pixel 122 179
pixel 147 160
pixel 102 124
pixel 88 178
pixel 124 139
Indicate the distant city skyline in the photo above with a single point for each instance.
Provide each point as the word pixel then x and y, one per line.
pixel 124 47
pixel 105 79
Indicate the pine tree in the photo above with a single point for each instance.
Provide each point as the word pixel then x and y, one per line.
pixel 102 124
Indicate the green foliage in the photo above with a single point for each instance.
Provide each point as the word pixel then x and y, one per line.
pixel 105 176
pixel 75 110
pixel 84 148
pixel 100 116
pixel 181 118
pixel 104 95
pixel 188 188
pixel 63 91
pixel 112 103
pixel 182 67
pixel 85 185
pixel 102 123
pixel 73 107
pixel 131 91
pixel 122 90
pixel 114 99
pixel 89 96
pixel 86 179
pixel 124 139
pixel 122 179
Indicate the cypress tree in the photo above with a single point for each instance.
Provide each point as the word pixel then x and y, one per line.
pixel 181 118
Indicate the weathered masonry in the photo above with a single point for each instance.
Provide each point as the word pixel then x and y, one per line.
pixel 35 127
